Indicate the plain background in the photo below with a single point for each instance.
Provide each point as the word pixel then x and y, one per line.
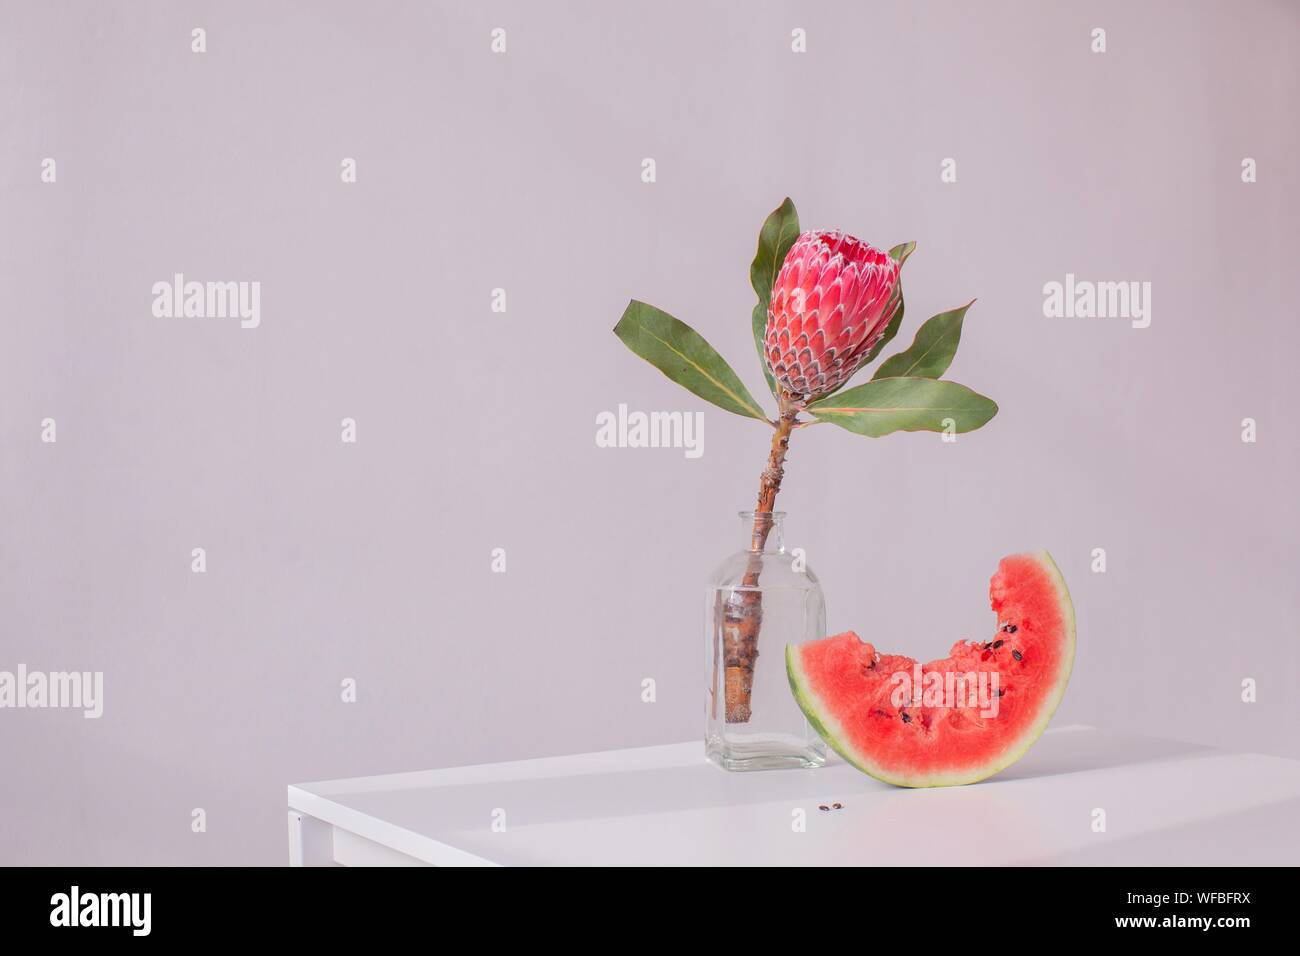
pixel 372 561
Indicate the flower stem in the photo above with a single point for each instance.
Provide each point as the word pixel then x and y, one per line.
pixel 743 613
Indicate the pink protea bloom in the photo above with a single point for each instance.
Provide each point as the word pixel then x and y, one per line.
pixel 831 302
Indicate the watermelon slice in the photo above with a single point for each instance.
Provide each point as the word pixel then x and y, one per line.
pixel 955 720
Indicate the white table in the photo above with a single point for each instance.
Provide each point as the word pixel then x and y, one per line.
pixel 1165 803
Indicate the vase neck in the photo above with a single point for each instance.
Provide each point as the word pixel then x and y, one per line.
pixel 764 531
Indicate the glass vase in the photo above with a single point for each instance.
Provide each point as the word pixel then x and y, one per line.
pixel 759 600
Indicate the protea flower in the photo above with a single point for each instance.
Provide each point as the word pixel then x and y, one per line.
pixel 831 302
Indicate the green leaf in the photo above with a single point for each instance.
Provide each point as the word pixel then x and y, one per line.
pixel 887 405
pixel 778 234
pixel 780 230
pixel 901 251
pixel 759 321
pixel 932 350
pixel 681 353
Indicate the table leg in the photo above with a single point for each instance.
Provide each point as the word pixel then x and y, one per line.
pixel 311 841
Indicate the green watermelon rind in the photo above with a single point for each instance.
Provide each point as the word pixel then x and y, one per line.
pixel 830 730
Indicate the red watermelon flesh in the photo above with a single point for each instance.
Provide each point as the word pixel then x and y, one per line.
pixel 933 729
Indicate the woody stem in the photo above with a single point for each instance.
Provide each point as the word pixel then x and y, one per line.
pixel 743 613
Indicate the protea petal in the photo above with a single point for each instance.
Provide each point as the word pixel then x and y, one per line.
pixel 831 302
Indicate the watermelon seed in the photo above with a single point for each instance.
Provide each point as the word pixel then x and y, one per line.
pixel 1017 655
pixel 823 807
pixel 1001 691
pixel 1010 628
pixel 997 644
pixel 907 718
pixel 837 806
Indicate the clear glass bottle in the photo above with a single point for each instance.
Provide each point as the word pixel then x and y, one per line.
pixel 758 601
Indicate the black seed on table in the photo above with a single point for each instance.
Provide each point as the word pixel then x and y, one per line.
pixel 837 806
pixel 997 644
pixel 1017 655
pixel 823 807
